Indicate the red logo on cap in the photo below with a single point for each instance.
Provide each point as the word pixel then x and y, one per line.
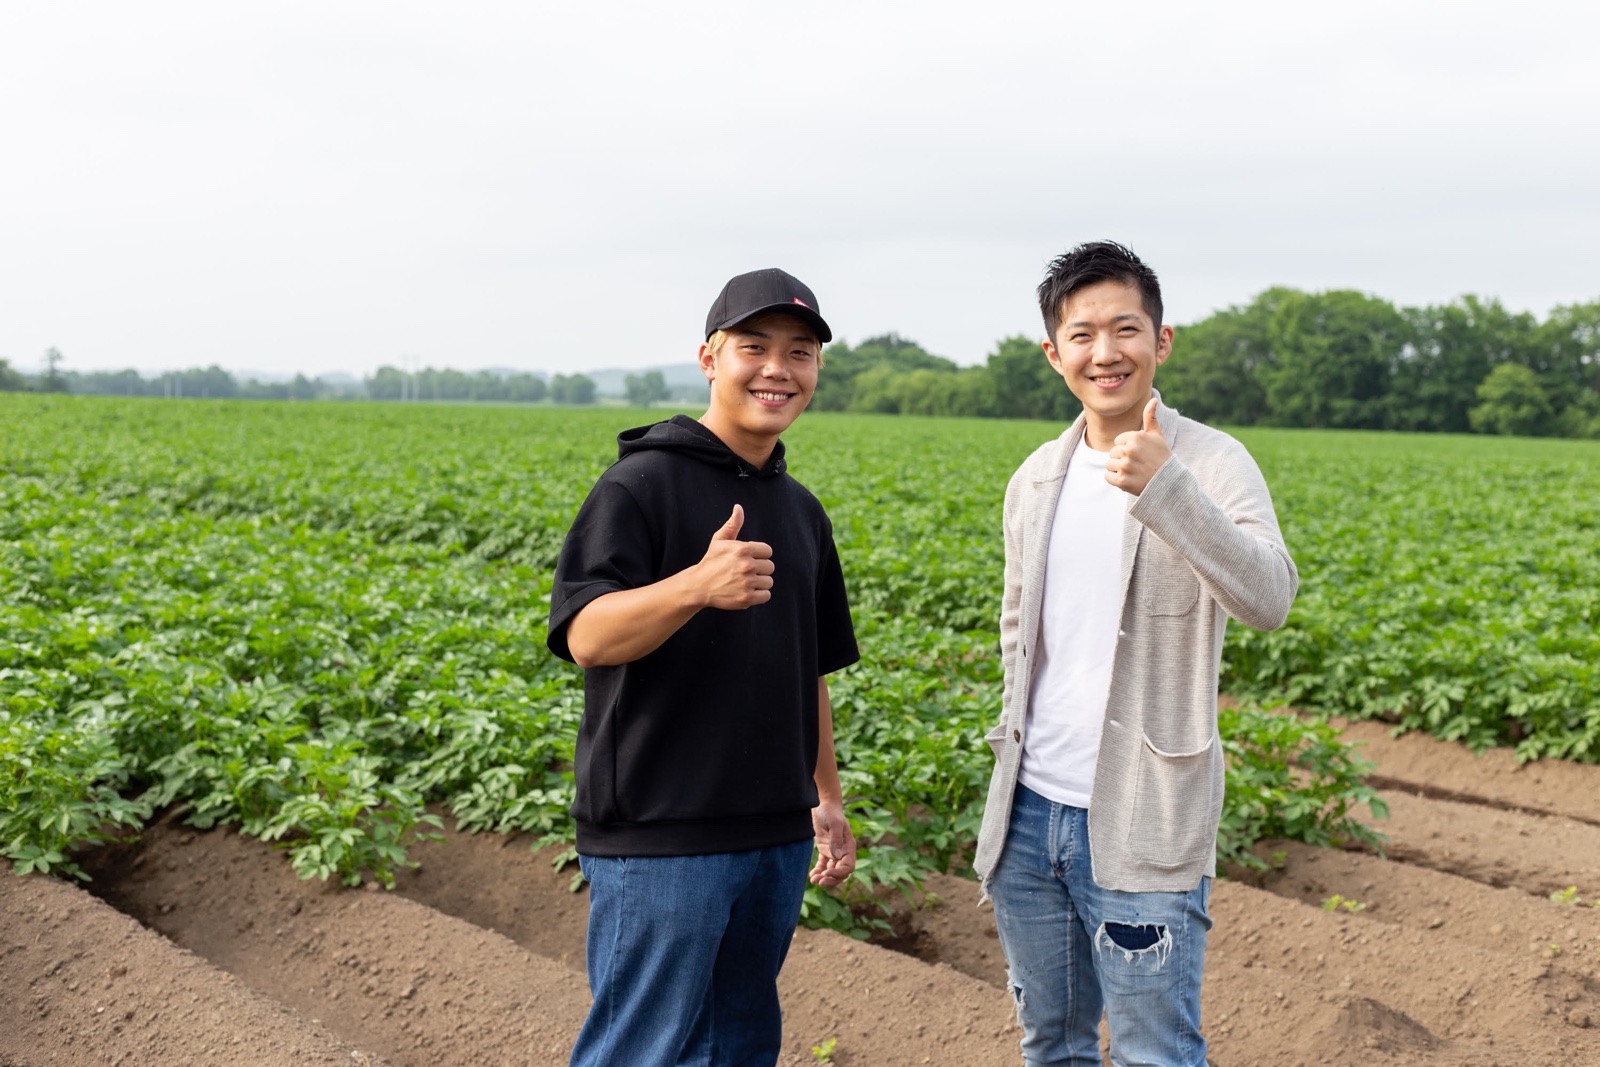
pixel 802 303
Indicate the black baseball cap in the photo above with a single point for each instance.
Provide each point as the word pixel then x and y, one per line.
pixel 761 291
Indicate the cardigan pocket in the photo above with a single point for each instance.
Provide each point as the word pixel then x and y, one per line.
pixel 1173 801
pixel 1175 598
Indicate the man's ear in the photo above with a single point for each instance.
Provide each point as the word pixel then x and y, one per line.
pixel 1163 344
pixel 708 363
pixel 1051 354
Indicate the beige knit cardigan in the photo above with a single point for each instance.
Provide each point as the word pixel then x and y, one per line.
pixel 1199 545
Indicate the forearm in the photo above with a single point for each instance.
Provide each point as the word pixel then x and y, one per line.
pixel 827 772
pixel 1236 552
pixel 629 624
pixel 836 845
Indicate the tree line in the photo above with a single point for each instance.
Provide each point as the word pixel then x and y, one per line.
pixel 1339 359
pixel 388 383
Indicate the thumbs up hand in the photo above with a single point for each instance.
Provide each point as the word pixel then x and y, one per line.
pixel 735 574
pixel 1136 455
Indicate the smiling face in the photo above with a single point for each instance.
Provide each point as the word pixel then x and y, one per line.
pixel 762 378
pixel 1107 350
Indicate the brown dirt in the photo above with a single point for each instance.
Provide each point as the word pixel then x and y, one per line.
pixel 81 983
pixel 1457 955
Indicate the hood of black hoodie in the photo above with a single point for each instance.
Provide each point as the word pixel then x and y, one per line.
pixel 683 434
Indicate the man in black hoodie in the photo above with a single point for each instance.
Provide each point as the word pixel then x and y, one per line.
pixel 700 590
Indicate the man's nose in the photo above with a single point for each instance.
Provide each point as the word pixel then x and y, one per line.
pixel 1105 349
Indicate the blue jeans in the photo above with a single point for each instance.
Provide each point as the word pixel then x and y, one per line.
pixel 1074 949
pixel 683 956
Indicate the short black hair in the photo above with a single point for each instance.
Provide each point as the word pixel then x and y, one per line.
pixel 1092 263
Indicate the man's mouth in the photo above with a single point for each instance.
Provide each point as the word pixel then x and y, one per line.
pixel 769 396
pixel 1109 381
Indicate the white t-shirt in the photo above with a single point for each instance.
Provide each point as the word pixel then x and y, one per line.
pixel 1077 633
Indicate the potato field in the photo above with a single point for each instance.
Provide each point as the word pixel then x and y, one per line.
pixel 311 619
pixel 322 627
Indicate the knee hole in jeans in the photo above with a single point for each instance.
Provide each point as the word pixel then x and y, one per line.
pixel 1019 999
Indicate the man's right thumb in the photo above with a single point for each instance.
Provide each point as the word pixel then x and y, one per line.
pixel 729 531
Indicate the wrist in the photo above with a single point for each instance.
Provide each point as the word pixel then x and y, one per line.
pixel 692 593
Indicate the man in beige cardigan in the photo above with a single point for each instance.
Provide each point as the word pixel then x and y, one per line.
pixel 1130 540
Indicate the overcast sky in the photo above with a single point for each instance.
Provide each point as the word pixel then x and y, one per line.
pixel 326 186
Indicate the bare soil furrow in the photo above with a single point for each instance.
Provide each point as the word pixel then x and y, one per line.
pixel 1290 983
pixel 1418 763
pixel 1429 791
pixel 82 984
pixel 827 986
pixel 1390 984
pixel 428 988
pixel 1434 905
pixel 498 882
pixel 1451 955
pixel 1538 854
pixel 421 987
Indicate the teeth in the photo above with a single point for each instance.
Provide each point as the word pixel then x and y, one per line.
pixel 772 396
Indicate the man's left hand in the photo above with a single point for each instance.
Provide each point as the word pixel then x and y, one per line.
pixel 1136 455
pixel 836 845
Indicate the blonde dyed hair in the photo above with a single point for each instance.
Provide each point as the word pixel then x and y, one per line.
pixel 720 337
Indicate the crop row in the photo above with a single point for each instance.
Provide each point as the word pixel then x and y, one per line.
pixel 1449 584
pixel 313 621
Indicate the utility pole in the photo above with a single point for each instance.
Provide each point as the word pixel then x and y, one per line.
pixel 53 382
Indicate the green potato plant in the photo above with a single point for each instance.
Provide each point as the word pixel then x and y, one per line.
pixel 315 621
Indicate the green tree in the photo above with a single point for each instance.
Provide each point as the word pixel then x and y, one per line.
pixel 645 389
pixel 1565 354
pixel 842 365
pixel 926 392
pixel 1332 357
pixel 1026 386
pixel 10 380
pixel 1581 416
pixel 1512 403
pixel 876 389
pixel 446 384
pixel 212 381
pixel 486 385
pixel 387 383
pixel 525 388
pixel 1449 351
pixel 572 389
pixel 970 391
pixel 1217 365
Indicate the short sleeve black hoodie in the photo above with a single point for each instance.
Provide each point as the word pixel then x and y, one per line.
pixel 709 743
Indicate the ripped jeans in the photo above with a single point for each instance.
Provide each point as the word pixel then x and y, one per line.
pixel 1074 949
